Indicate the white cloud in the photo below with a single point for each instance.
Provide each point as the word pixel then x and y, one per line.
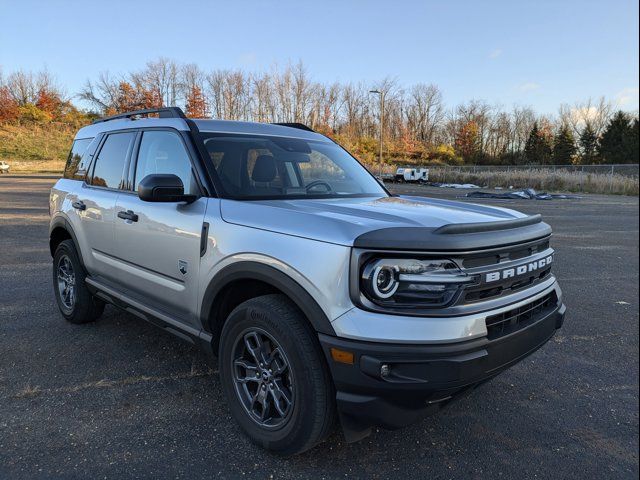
pixel 495 53
pixel 529 87
pixel 627 96
pixel 581 115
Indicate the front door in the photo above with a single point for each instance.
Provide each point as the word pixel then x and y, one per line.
pixel 160 246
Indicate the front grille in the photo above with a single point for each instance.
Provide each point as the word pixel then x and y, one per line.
pixel 516 252
pixel 521 317
pixel 479 263
pixel 486 292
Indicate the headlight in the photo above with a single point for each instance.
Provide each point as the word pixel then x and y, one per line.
pixel 399 282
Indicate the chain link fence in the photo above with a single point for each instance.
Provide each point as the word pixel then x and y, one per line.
pixel 615 179
pixel 627 170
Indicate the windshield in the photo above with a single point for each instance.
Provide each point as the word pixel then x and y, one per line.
pixel 252 167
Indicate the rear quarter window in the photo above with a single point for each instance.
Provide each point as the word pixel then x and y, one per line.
pixel 109 165
pixel 78 159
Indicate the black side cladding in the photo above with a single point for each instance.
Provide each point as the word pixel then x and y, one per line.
pixel 456 237
pixel 204 238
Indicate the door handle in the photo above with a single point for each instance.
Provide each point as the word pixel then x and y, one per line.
pixel 79 205
pixel 128 215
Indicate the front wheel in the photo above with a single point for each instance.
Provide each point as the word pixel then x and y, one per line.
pixel 274 376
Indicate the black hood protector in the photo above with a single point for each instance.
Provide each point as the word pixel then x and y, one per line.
pixel 456 237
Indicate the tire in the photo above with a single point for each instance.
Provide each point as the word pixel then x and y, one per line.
pixel 79 305
pixel 310 416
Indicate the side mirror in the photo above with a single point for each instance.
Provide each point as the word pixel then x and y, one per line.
pixel 163 187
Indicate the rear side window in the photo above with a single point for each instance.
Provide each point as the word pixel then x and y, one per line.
pixel 77 161
pixel 109 165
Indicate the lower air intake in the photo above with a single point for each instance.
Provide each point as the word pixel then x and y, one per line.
pixel 513 320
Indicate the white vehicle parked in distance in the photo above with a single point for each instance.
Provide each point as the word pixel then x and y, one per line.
pixel 4 167
pixel 412 175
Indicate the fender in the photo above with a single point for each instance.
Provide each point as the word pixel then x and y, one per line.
pixel 61 222
pixel 265 273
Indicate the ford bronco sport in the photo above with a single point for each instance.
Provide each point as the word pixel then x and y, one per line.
pixel 322 295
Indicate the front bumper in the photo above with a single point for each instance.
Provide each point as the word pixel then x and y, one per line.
pixel 423 378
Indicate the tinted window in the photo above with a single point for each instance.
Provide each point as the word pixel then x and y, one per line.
pixel 111 160
pixel 280 167
pixel 164 152
pixel 77 161
pixel 320 167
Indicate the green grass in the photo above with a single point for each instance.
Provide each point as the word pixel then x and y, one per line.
pixel 35 148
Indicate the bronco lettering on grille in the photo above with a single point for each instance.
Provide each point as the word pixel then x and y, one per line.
pixel 519 270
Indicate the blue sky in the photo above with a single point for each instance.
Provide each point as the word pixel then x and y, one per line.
pixel 536 53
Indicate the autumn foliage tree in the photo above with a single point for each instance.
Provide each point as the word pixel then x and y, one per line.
pixel 126 99
pixel 9 108
pixel 196 105
pixel 49 102
pixel 467 141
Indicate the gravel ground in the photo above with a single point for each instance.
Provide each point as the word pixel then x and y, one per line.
pixel 122 399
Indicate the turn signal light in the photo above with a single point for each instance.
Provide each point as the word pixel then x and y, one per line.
pixel 342 356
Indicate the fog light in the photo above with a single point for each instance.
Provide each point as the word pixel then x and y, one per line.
pixel 385 370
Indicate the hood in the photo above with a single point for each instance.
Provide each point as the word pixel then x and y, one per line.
pixel 344 220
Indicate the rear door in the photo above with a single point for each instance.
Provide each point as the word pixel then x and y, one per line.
pixel 160 250
pixel 96 200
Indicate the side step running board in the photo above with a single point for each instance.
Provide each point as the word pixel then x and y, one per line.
pixel 160 319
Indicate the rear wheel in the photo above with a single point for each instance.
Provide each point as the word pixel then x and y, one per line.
pixel 75 301
pixel 274 376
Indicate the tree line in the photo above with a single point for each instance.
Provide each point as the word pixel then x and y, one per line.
pixel 418 127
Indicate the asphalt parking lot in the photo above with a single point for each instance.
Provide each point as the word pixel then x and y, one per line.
pixel 122 399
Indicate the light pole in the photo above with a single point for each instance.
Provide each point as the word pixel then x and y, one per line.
pixel 381 93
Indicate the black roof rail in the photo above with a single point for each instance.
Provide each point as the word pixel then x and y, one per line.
pixel 164 112
pixel 299 126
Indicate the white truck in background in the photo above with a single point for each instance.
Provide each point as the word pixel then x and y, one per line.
pixel 411 175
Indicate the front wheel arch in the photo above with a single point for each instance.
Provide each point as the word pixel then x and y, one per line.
pixel 264 279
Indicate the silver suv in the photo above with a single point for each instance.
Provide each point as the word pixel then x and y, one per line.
pixel 323 296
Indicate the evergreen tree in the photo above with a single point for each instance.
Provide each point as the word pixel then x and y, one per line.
pixel 538 146
pixel 530 146
pixel 588 144
pixel 616 139
pixel 632 143
pixel 564 146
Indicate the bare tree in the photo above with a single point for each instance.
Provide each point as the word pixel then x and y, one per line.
pixel 596 113
pixel 24 87
pixel 264 109
pixel 163 77
pixel 103 93
pixel 425 112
